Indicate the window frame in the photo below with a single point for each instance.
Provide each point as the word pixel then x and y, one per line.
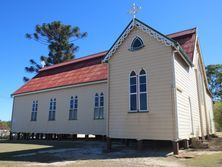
pixel 52 109
pixel 74 109
pixel 138 92
pixel 99 108
pixel 34 110
pixel 132 48
pixel 129 84
pixel 144 92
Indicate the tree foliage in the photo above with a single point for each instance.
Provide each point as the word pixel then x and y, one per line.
pixel 214 77
pixel 5 124
pixel 60 41
pixel 218 115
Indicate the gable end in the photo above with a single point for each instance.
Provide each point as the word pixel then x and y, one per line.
pixel 152 32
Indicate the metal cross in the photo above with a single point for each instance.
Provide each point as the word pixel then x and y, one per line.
pixel 43 63
pixel 134 10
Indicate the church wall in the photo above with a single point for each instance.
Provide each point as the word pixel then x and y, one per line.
pixel 202 106
pixel 85 123
pixel 194 104
pixel 156 59
pixel 210 114
pixel 201 88
pixel 202 92
pixel 186 114
pixel 194 116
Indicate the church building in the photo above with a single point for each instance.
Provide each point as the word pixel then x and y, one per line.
pixel 147 86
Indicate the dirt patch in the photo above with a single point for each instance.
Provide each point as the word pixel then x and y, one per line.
pixel 118 162
pixel 85 153
pixel 91 153
pixel 215 144
pixel 208 157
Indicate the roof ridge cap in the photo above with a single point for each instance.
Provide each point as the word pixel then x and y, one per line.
pixel 194 28
pixel 73 61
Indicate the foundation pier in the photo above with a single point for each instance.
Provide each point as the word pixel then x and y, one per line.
pixel 175 147
pixel 139 145
pixel 109 144
pixel 186 144
pixel 18 136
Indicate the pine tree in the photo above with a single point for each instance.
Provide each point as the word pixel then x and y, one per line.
pixel 59 38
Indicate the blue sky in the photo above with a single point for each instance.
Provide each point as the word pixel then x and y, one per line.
pixel 104 21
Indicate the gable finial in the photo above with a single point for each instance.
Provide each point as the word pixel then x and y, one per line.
pixel 134 10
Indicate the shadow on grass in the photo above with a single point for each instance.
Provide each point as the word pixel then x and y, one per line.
pixel 59 151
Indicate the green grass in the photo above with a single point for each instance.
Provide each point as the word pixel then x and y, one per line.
pixel 14 147
pixel 212 160
pixel 219 134
pixel 9 149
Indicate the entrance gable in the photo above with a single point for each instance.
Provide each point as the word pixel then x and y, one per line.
pixel 135 23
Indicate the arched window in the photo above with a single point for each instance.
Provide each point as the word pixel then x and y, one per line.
pixel 73 108
pixel 52 109
pixel 136 44
pixel 76 102
pixel 138 91
pixel 96 107
pixel 34 110
pixel 133 91
pixel 142 72
pixel 54 104
pixel 143 90
pixel 99 106
pixel 96 100
pixel 50 104
pixel 101 100
pixel 101 109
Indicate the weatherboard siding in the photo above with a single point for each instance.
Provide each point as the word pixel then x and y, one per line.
pixel 193 119
pixel 194 92
pixel 201 88
pixel 85 123
pixel 210 112
pixel 156 59
pixel 194 104
pixel 183 94
pixel 202 116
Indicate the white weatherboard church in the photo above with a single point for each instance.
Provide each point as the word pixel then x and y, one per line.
pixel 147 86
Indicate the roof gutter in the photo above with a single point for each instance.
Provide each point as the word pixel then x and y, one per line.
pixel 60 87
pixel 183 53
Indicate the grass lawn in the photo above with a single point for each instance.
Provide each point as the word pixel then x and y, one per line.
pixel 212 160
pixel 31 151
pixel 219 134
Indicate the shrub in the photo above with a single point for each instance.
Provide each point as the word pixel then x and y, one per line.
pixel 218 115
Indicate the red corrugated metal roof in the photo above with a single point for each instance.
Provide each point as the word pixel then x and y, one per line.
pixel 83 70
pixel 186 39
pixel 89 68
pixel 92 73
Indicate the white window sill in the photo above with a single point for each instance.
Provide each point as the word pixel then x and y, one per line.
pixel 139 111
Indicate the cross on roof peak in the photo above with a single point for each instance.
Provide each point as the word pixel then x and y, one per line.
pixel 134 10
